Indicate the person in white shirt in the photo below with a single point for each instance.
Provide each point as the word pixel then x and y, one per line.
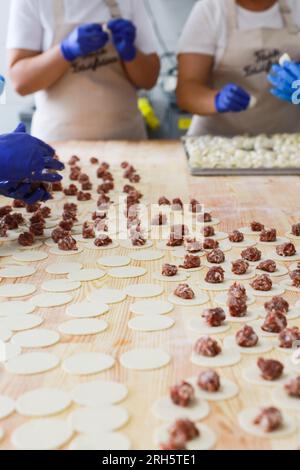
pixel 225 52
pixel 84 61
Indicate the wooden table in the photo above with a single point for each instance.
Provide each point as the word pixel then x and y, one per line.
pixel 236 201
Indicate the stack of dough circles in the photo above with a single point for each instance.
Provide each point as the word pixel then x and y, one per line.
pixel 11 272
pixel 99 393
pixel 83 327
pixel 129 272
pixel 145 359
pixel 50 300
pixel 42 434
pixel 165 410
pixel 151 323
pixel 143 291
pixel 17 290
pixel 86 275
pixel 30 256
pixel 100 419
pixel 42 402
pixel 88 363
pixel 32 363
pixel 206 440
pixel 39 338
pixel 7 406
pixel 114 261
pixel 107 296
pixel 63 268
pixel 151 307
pixel 87 310
pixel 247 417
pixel 227 391
pixel 16 307
pixel 106 441
pixel 61 286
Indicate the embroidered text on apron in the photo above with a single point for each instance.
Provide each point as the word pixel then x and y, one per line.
pixel 94 100
pixel 246 62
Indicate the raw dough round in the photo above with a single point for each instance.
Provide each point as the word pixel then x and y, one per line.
pixel 165 410
pixel 23 322
pixel 279 241
pixel 11 272
pixel 17 307
pixel 200 299
pixel 32 363
pixel 11 237
pixel 128 245
pixel 180 277
pixel 283 400
pixel 42 434
pixel 30 256
pixel 86 275
pixel 276 290
pixel 151 307
pixel 257 324
pixel 7 406
pixel 145 359
pixel 63 268
pixel 91 246
pixel 227 391
pixel 107 296
pixel 206 440
pixel 286 259
pixel 253 376
pixel 106 441
pixel 127 272
pixel 215 287
pixel 5 333
pixel 60 286
pixel 38 338
pixel 6 251
pixel 198 325
pixel 83 327
pixel 228 357
pixel 250 274
pixel 244 244
pixel 291 236
pixel 246 418
pixel 9 351
pixel 99 393
pixel 248 231
pixel 17 290
pixel 147 255
pixel 221 299
pixel 114 261
pixel 287 284
pixel 87 310
pixel 42 402
pixel 57 252
pixel 51 300
pixel 150 323
pixel 88 363
pixel 264 346
pixel 252 314
pixel 94 421
pixel 281 271
pixel 142 291
pixel 292 314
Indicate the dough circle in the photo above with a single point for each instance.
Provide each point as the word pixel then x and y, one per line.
pixel 87 363
pixel 30 256
pixel 287 284
pixel 200 299
pixel 147 255
pixel 143 291
pixel 227 390
pixel 128 245
pixel 62 268
pixel 165 410
pixel 91 246
pixel 145 359
pixel 39 338
pixel 57 252
pixel 101 419
pixel 106 441
pixel 23 322
pixel 9 351
pixel 129 272
pixel 151 307
pixel 114 261
pixel 198 325
pixel 228 357
pixel 42 434
pixel 252 314
pixel 16 307
pixel 99 393
pixel 42 402
pixel 283 400
pixel 206 440
pixel 253 376
pixel 180 277
pixel 151 323
pixel 50 300
pixel 215 287
pixel 281 271
pixel 87 310
pixel 246 418
pixel 275 291
pixel 264 346
pixel 11 272
pixel 32 363
pixel 286 259
pixel 83 327
pixel 86 275
pixel 107 296
pixel 7 406
pixel 17 290
pixel 279 241
pixel 60 286
pixel 5 333
pixel 221 299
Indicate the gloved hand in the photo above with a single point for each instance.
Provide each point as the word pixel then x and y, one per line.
pixel 123 36
pixel 25 158
pixel 232 98
pixel 83 40
pixel 24 192
pixel 2 84
pixel 282 79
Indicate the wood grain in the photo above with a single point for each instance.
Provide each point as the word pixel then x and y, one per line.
pixel 236 201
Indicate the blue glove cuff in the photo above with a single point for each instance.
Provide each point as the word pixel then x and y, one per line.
pixel 66 53
pixel 130 54
pixel 218 106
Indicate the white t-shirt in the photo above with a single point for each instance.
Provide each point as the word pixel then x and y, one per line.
pixel 31 21
pixel 206 29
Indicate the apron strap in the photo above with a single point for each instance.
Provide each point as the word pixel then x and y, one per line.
pixel 114 8
pixel 287 16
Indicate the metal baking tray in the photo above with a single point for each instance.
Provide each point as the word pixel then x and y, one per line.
pixel 196 171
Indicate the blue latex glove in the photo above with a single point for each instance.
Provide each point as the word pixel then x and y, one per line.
pixel 24 192
pixel 232 99
pixel 83 40
pixel 24 158
pixel 2 84
pixel 124 36
pixel 282 79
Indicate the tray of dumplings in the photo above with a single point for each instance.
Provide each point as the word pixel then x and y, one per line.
pixel 278 154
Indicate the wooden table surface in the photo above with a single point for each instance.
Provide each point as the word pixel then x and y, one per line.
pixel 236 201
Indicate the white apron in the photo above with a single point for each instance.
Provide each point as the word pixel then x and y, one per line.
pixel 94 100
pixel 246 62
